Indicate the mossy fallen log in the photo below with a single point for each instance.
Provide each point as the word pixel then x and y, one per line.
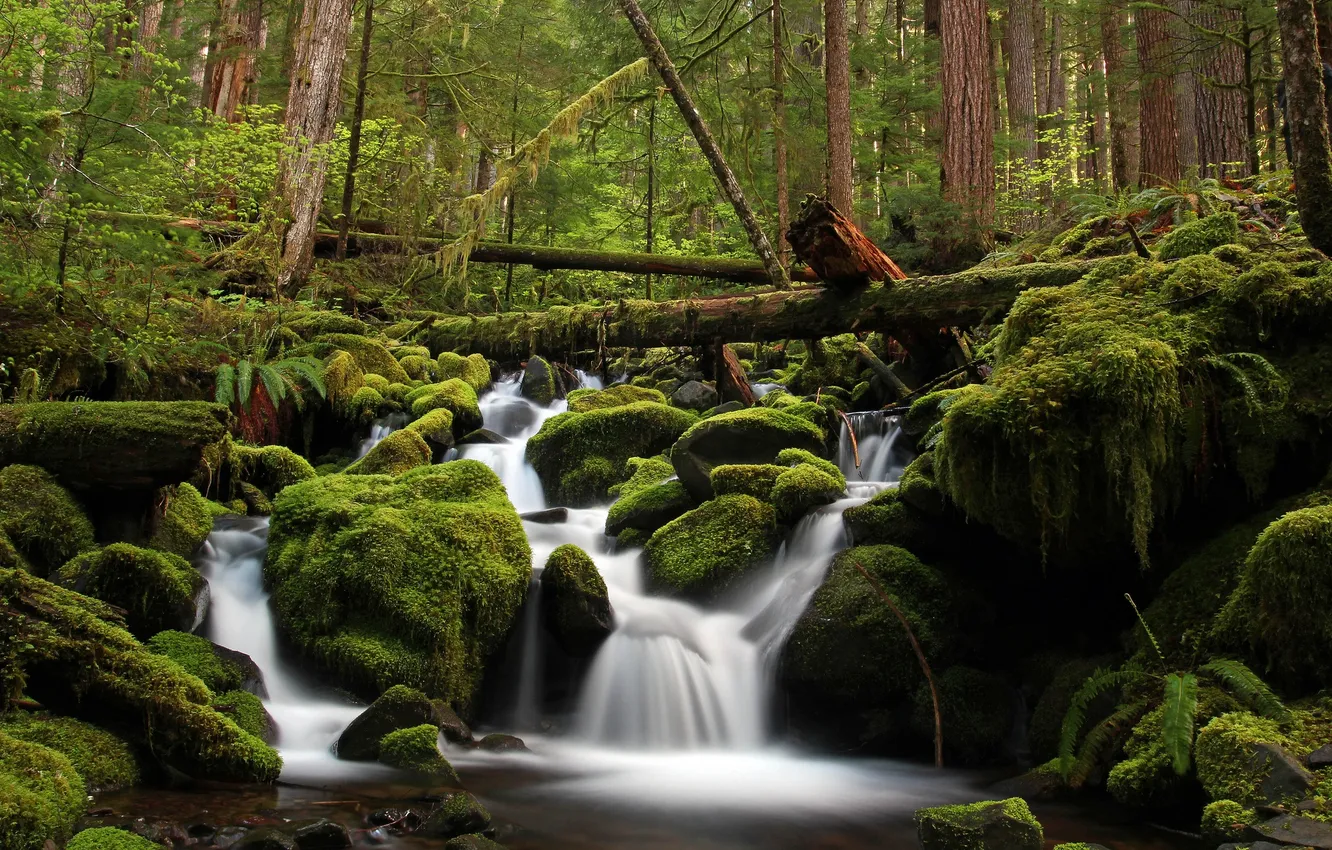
pixel 800 313
pixel 116 445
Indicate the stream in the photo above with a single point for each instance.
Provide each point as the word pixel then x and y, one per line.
pixel 671 740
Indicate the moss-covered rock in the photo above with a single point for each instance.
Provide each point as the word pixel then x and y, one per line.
pixel 976 710
pixel 753 436
pixel 1146 777
pixel 993 825
pixel 316 323
pixel 474 841
pixel 833 363
pixel 706 550
pixel 580 456
pixel 540 383
pixel 1234 757
pixel 403 450
pixel 454 395
pixel 581 401
pixel 185 520
pixel 746 479
pixel 413 579
pixel 343 378
pixel 370 355
pixel 41 795
pixel 1224 821
pixel 268 468
pixel 399 707
pixel 1047 719
pixel 365 406
pixel 575 601
pixel 1199 237
pixel 473 369
pixel 417 749
pixel 418 368
pixel 219 668
pixel 77 659
pixel 110 838
pixel 887 520
pixel 157 590
pixel 103 760
pixel 806 486
pixel 457 814
pixel 436 428
pixel 41 519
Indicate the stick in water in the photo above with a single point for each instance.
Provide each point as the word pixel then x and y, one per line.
pixel 920 656
pixel 855 444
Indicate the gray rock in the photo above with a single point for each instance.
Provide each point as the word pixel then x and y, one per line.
pixel 550 516
pixel 482 436
pixel 457 814
pixel 266 838
pixel 1286 777
pixel 1319 758
pixel 725 407
pixel 500 743
pixel 229 836
pixel 1290 830
pixel 323 834
pixel 695 395
pixel 453 728
pixel 472 842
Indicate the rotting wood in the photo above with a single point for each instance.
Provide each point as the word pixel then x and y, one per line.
pixel 732 385
pixel 831 244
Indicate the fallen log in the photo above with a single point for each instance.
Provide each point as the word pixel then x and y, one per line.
pixel 804 312
pixel 831 244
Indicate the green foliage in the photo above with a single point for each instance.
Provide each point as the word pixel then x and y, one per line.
pixel 198 657
pixel 1199 237
pixel 1224 821
pixel 1181 706
pixel 109 838
pixel 157 590
pixel 707 549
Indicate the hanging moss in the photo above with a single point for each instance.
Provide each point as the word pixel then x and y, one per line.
pixel 369 355
pixel 41 795
pixel 185 522
pixel 709 548
pixel 581 401
pixel 157 590
pixel 410 580
pixel 1199 237
pixel 103 760
pixel 397 453
pixel 43 522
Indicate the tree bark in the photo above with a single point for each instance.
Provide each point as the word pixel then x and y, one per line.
pixel 967 163
pixel 779 133
pixel 150 24
pixel 662 62
pixel 354 142
pixel 313 105
pixel 1223 134
pixel 1118 102
pixel 732 385
pixel 1020 80
pixel 1306 113
pixel 831 244
pixel 1184 56
pixel 1159 123
pixel 837 78
pixel 232 68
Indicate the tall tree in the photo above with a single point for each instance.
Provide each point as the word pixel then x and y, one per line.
pixel 313 104
pixel 1220 86
pixel 231 58
pixel 779 132
pixel 1306 112
pixel 358 121
pixel 967 161
pixel 1020 79
pixel 1159 124
pixel 1184 50
pixel 837 76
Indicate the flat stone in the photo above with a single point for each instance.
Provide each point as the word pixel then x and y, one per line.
pixel 550 516
pixel 1286 777
pixel 500 743
pixel 1290 830
pixel 1321 757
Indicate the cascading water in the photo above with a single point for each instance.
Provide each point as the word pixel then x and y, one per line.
pixel 379 429
pixel 875 456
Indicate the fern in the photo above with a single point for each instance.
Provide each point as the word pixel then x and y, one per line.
pixel 225 379
pixel 1150 637
pixel 1245 684
pixel 1099 682
pixel 275 384
pixel 244 383
pixel 1101 740
pixel 1181 709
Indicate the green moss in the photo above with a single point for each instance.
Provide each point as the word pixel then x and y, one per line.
pixel 455 395
pixel 707 549
pixel 343 377
pixel 269 468
pixel 834 363
pixel 104 761
pixel 579 456
pixel 643 472
pixel 849 647
pixel 649 508
pixel 753 436
pixel 886 519
pixel 474 369
pixel 378 383
pixel 1047 719
pixel 1007 824
pixel 749 479
pixel 397 453
pixel 1224 754
pixel 77 658
pixel 402 352
pixel 369 355
pixel 185 521
pixel 437 425
pixel 157 590
pixel 41 795
pixel 418 368
pixel 1146 777
pixel 575 599
pixel 1281 603
pixel 198 657
pixel 1199 237
pixel 43 523
pixel 409 580
pixel 976 712
pixel 245 710
pixel 364 406
pixel 1224 821
pixel 794 457
pixel 416 749
pixel 803 487
pixel 110 838
pixel 321 322
pixel 616 396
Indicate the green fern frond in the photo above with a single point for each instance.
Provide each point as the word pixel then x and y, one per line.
pixel 308 370
pixel 1248 687
pixel 274 384
pixel 1101 740
pixel 244 383
pixel 1181 709
pixel 225 381
pixel 1151 637
pixel 1099 682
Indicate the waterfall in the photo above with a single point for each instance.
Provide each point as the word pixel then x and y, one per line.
pixel 379 429
pixel 882 455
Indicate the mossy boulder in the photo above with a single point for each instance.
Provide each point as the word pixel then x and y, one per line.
pixel 436 428
pixel 806 486
pixel 1244 758
pixel 747 479
pixel 269 469
pixel 1225 821
pixel 647 501
pixel 104 761
pixel 994 825
pixel 417 749
pixel 707 549
pixel 458 813
pixel 403 450
pixel 848 652
pixel 753 436
pixel 42 521
pixel 886 519
pixel 540 383
pixel 248 712
pixel 185 520
pixel 1145 778
pixel 343 379
pixel 976 709
pixel 219 668
pixel 581 401
pixel 399 707
pixel 77 659
pixel 695 395
pixel 833 362
pixel 1045 728
pixel 474 369
pixel 366 405
pixel 41 795
pixel 116 445
pixel 455 395
pixel 110 838
pixel 580 456
pixel 475 841
pixel 369 354
pixel 418 368
pixel 412 580
pixel 575 601
pixel 317 323
pixel 157 590
pixel 1199 237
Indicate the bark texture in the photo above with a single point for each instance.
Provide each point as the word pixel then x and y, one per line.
pixel 313 104
pixel 779 132
pixel 831 244
pixel 837 76
pixel 1159 123
pixel 354 142
pixel 1307 115
pixel 968 115
pixel 1223 132
pixel 232 69
pixel 1020 80
pixel 1118 102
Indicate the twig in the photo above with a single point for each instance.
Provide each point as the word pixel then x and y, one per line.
pixel 855 445
pixel 1137 241
pixel 920 656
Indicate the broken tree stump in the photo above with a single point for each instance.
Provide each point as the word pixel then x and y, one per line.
pixel 831 244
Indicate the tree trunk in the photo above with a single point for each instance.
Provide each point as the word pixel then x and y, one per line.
pixel 1223 134
pixel 313 104
pixel 1020 80
pixel 779 133
pixel 1058 76
pixel 1306 113
pixel 1159 125
pixel 732 385
pixel 831 244
pixel 150 24
pixel 967 167
pixel 354 142
pixel 837 77
pixel 1112 47
pixel 1183 56
pixel 662 62
pixel 236 39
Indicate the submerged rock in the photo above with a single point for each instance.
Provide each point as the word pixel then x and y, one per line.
pixel 753 436
pixel 399 707
pixel 482 436
pixel 266 838
pixel 575 602
pixel 498 742
pixel 457 814
pixel 996 825
pixel 323 834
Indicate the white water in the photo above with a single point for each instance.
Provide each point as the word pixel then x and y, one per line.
pixel 882 457
pixel 379 429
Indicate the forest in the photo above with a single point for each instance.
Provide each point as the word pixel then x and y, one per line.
pixel 555 424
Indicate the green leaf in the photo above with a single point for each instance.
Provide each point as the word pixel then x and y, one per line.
pixel 244 382
pixel 1181 709
pixel 1099 682
pixel 1101 739
pixel 225 379
pixel 1248 687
